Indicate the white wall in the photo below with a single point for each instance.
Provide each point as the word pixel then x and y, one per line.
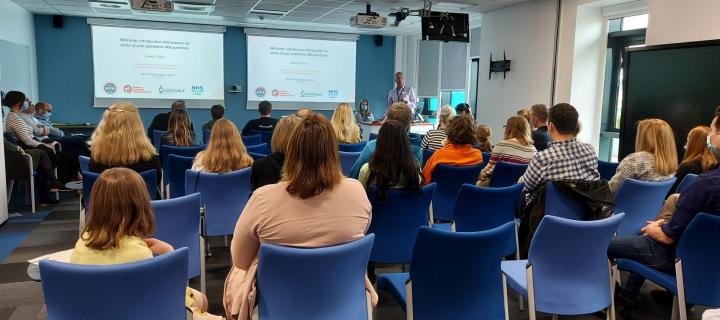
pixel 672 21
pixel 527 35
pixel 16 25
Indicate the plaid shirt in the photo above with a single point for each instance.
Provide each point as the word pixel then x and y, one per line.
pixel 564 160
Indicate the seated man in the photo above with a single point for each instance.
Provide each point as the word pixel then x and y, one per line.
pixel 538 119
pixel 656 246
pixel 566 158
pixel 160 122
pixel 217 112
pixel 73 144
pixel 400 112
pixel 264 123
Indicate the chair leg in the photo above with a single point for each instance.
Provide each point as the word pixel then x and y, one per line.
pixel 555 317
pixel 682 308
pixel 432 216
pixel 674 312
pixel 611 308
pixel 408 301
pixel 505 301
pixel 32 193
pixel 368 303
pixel 531 293
pixel 226 241
pixel 10 190
pixel 203 283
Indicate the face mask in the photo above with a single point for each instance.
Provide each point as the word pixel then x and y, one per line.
pixel 363 106
pixel 47 115
pixel 712 148
pixel 26 106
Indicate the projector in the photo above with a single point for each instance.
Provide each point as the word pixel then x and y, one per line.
pixel 155 6
pixel 363 20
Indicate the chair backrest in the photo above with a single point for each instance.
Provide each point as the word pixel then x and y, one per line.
pixel 486 156
pixel 426 154
pixel 177 165
pixel 252 140
pixel 607 169
pixel 149 289
pixel 84 163
pixel 571 271
pixel 640 201
pixel 506 174
pixel 262 148
pixel 256 156
pixel 88 182
pixel 330 280
pixel 150 178
pixel 266 136
pixel 166 150
pixel 686 183
pixel 355 147
pixel 221 215
pixel 449 180
pixel 456 275
pixel 347 161
pixel 206 135
pixel 479 209
pixel 700 255
pixel 157 134
pixel 395 222
pixel 178 223
pixel 372 137
pixel 557 204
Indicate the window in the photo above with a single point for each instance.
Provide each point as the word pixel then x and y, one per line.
pixel 623 34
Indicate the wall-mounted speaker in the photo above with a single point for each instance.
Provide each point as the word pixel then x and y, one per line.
pixel 379 41
pixel 57 21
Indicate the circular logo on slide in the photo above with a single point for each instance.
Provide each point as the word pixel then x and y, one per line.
pixel 127 88
pixel 275 92
pixel 260 92
pixel 109 88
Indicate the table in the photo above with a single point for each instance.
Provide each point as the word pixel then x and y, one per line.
pixel 419 128
pixel 85 129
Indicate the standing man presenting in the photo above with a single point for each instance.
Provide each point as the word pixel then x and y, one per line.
pixel 402 93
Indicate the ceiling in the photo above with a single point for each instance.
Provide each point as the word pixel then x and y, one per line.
pixel 310 15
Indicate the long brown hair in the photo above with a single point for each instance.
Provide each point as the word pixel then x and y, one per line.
pixel 697 148
pixel 484 138
pixel 119 139
pixel 179 128
pixel 518 128
pixel 283 130
pixel 312 161
pixel 119 207
pixel 225 151
pixel 655 136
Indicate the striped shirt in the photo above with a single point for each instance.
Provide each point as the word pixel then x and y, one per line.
pixel 21 130
pixel 508 151
pixel 568 160
pixel 433 139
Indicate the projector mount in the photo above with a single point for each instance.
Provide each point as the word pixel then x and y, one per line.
pixel 403 13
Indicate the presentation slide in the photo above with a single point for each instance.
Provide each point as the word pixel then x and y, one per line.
pixel 297 73
pixel 157 65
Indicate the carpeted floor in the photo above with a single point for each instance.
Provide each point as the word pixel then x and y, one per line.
pixel 22 298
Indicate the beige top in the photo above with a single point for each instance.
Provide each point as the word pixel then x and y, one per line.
pixel 274 216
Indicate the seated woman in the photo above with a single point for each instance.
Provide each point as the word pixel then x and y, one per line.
pixel 67 165
pixel 458 149
pixel 516 148
pixel 654 159
pixel 120 141
pixel 267 170
pixel 16 167
pixel 225 151
pixel 121 226
pixel 433 139
pixel 179 133
pixel 343 122
pixel 364 114
pixel 393 165
pixel 484 138
pixel 313 206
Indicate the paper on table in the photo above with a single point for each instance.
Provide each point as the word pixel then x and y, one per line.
pixel 62 256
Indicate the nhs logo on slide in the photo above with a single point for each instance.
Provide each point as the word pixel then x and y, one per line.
pixel 198 90
pixel 333 93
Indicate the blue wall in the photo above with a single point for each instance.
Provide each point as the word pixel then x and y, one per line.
pixel 65 73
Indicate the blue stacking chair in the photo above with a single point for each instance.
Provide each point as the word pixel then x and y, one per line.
pixel 177 165
pixel 256 156
pixel 206 135
pixel 150 178
pixel 347 161
pixel 640 201
pixel 453 275
pixel 220 214
pixel 148 289
pixel 262 148
pixel 486 156
pixel 696 267
pixel 498 208
pixel 607 169
pixel 557 204
pixel 88 182
pixel 396 221
pixel 266 136
pixel 506 174
pixel 252 140
pixel 157 134
pixel 325 283
pixel 372 137
pixel 449 180
pixel 166 150
pixel 686 183
pixel 426 154
pixel 84 163
pixel 178 223
pixel 356 147
pixel 567 271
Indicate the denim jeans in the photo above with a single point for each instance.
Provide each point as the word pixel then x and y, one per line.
pixel 646 251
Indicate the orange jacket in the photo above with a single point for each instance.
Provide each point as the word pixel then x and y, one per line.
pixel 451 154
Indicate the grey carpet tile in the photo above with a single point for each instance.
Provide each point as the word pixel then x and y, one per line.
pixel 13 272
pixel 25 253
pixel 27 312
pixel 20 294
pixel 44 239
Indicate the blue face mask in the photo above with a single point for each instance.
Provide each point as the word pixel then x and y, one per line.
pixel 712 148
pixel 26 106
pixel 46 116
